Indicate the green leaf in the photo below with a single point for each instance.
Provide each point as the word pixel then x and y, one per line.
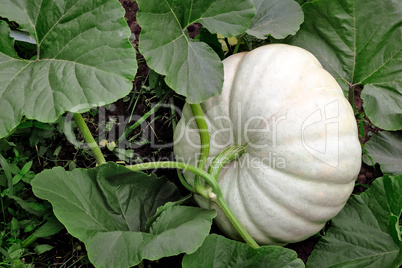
pixel 360 235
pixel 177 230
pixel 84 59
pixel 359 42
pixel 161 209
pixel 31 207
pixel 278 18
pixel 51 227
pixel 7 172
pixel 107 208
pixel 192 68
pixel 218 251
pixel 394 199
pixel 16 252
pixel 301 2
pixel 14 226
pixel 16 179
pixel 107 198
pixel 7 43
pixel 385 148
pixel 42 249
pixel 26 168
pixel 212 41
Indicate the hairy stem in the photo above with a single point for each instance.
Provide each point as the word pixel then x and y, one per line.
pixel 205 143
pixel 89 139
pixel 27 242
pixel 181 177
pixel 7 172
pixel 236 223
pixel 172 112
pixel 226 156
pixel 179 165
pixel 7 255
pixel 239 39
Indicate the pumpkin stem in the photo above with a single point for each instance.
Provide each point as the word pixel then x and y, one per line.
pixel 235 221
pixel 89 139
pixel 205 145
pixel 231 153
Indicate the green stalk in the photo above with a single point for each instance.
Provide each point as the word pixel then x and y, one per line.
pixel 2 208
pixel 236 223
pixel 142 119
pixel 89 139
pixel 7 172
pixel 179 165
pixel 184 182
pixel 172 112
pixel 205 143
pixel 226 156
pixel 215 196
pixel 32 238
pixel 181 177
pixel 239 38
pixel 7 255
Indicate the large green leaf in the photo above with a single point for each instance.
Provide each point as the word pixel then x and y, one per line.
pixel 364 233
pixel 51 227
pixel 177 230
pixel 360 42
pixel 278 18
pixel 6 41
pixel 192 68
pixel 107 208
pixel 385 148
pixel 218 251
pixel 107 198
pixel 84 59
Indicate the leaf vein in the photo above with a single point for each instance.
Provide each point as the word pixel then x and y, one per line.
pixel 376 70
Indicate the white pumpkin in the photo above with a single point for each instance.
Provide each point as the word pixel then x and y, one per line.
pixel 302 154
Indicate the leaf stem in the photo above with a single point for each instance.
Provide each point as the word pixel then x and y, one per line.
pixel 215 196
pixel 174 124
pixel 89 139
pixel 205 143
pixel 236 223
pixel 179 165
pixel 7 172
pixel 172 112
pixel 32 238
pixel 7 255
pixel 239 38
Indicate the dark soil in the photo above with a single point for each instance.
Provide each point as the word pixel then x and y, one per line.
pixel 367 173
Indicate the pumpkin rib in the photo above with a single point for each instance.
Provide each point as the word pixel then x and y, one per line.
pixel 283 209
pixel 288 205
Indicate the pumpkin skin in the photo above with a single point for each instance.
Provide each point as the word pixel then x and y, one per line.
pixel 302 154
